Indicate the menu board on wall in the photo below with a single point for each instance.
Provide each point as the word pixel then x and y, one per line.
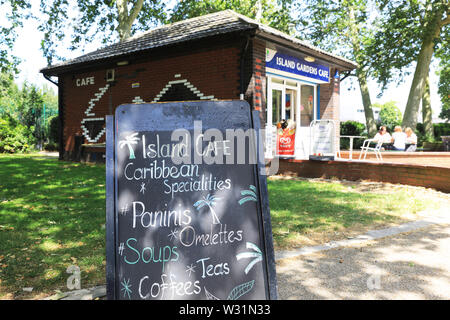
pixel 187 208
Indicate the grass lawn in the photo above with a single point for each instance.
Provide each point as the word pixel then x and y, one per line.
pixel 310 213
pixel 52 216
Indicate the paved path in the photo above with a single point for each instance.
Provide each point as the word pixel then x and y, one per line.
pixel 408 265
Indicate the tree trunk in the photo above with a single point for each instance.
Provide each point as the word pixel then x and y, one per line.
pixel 361 75
pixel 422 69
pixel 214 215
pixel 427 112
pixel 418 84
pixel 126 19
pixel 368 111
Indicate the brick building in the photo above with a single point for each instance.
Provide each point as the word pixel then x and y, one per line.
pixel 222 55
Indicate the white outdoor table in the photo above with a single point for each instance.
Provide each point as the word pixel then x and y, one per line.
pixel 351 144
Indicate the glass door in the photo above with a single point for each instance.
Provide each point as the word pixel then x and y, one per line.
pixel 307 115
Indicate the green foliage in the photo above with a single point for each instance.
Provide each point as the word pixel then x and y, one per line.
pixel 90 20
pixel 327 24
pixel 406 24
pixel 13 13
pixel 25 113
pixel 270 12
pixel 15 137
pixel 390 115
pixel 439 129
pixel 352 128
pixel 53 129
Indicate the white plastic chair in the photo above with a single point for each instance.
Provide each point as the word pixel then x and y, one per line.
pixel 366 147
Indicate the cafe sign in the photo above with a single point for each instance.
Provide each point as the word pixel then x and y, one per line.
pixel 284 64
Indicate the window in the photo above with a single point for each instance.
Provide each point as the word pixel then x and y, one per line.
pixel 306 105
pixel 276 106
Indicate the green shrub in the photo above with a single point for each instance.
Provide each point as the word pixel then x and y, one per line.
pixel 441 129
pixel 15 137
pixel 53 126
pixel 51 146
pixel 352 128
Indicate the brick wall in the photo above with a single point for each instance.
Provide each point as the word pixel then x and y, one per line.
pixel 329 102
pixel 212 70
pixel 256 89
pixel 423 176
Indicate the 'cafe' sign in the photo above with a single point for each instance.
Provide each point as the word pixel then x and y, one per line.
pixel 276 62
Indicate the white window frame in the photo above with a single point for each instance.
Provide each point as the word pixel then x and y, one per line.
pixel 282 88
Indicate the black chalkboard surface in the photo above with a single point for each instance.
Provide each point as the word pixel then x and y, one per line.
pixel 187 208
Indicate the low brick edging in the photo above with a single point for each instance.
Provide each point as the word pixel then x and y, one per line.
pixel 423 176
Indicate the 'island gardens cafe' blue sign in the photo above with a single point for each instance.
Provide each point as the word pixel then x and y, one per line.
pixel 296 67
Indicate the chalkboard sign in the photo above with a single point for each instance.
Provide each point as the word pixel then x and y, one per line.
pixel 187 207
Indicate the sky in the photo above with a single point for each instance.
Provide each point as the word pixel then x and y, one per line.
pixel 27 48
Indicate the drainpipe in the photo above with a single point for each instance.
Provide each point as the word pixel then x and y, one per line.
pixel 243 53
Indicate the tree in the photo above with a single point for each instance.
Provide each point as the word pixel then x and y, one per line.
pixel 270 12
pixel 390 114
pixel 84 20
pixel 443 53
pixel 9 95
pixel 14 12
pixel 427 111
pixel 344 28
pixel 23 113
pixel 415 28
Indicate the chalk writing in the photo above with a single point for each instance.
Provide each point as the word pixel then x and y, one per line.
pixel 186 220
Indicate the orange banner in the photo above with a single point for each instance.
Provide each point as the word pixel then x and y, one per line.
pixel 286 142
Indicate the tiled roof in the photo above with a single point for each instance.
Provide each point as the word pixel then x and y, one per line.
pixel 222 22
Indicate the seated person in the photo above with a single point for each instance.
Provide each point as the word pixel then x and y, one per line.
pixel 384 137
pixel 399 139
pixel 411 140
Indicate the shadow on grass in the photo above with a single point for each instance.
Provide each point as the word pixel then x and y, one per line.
pixel 51 216
pixel 299 207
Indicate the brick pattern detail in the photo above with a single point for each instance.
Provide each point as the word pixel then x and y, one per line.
pixel 212 69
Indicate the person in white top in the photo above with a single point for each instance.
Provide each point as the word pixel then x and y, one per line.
pixel 383 135
pixel 399 139
pixel 411 140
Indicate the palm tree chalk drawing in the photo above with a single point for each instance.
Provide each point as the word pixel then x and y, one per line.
pixel 236 293
pixel 209 201
pixel 209 295
pixel 249 195
pixel 129 140
pixel 256 254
